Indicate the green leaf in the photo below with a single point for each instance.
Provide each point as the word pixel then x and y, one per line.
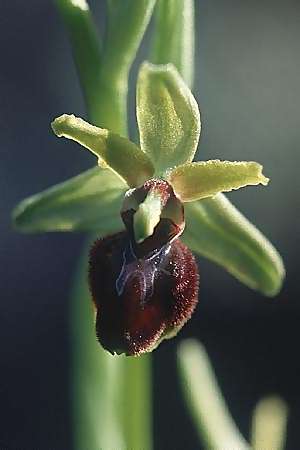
pixel 117 152
pixel 213 422
pixel 89 201
pixel 168 117
pixel 269 424
pixel 174 36
pixel 218 231
pixel 199 180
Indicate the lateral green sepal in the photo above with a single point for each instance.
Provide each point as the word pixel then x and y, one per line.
pixel 218 231
pixel 90 201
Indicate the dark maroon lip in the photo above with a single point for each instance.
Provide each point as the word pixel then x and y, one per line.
pixel 143 292
pixel 138 300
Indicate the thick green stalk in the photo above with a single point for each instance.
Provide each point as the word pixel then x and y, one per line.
pixel 107 390
pixel 96 391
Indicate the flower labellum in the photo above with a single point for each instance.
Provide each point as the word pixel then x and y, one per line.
pixel 144 281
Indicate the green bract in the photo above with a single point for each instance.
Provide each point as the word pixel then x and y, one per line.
pixel 169 126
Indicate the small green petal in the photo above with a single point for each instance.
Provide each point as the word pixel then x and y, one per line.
pixel 218 231
pixel 199 180
pixel 147 216
pixel 168 117
pixel 90 201
pixel 117 152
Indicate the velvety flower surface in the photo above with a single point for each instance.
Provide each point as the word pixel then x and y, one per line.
pixel 139 301
pixel 143 292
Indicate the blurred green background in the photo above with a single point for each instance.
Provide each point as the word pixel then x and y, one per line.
pixel 247 85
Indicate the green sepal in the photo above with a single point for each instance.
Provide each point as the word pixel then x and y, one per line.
pixel 168 117
pixel 117 152
pixel 203 179
pixel 90 201
pixel 218 231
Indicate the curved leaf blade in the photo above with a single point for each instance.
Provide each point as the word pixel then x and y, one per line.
pixel 203 179
pixel 218 231
pixel 168 117
pixel 90 201
pixel 86 44
pixel 204 399
pixel 117 152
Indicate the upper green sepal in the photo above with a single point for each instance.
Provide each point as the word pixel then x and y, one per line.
pixel 198 180
pixel 90 201
pixel 121 155
pixel 168 117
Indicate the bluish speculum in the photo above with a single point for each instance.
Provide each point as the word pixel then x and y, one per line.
pixel 144 270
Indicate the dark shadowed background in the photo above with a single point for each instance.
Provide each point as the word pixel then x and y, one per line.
pixel 247 84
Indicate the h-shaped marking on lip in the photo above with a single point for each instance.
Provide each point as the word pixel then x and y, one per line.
pixel 144 270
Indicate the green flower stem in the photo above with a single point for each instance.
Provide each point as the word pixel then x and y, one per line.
pixel 96 391
pixel 204 400
pixel 100 424
pixel 137 402
pixel 174 36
